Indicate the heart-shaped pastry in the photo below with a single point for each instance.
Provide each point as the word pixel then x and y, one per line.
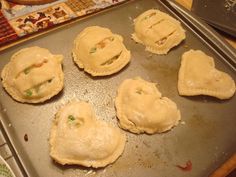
pixel 198 76
pixel 100 52
pixel 158 31
pixel 77 137
pixel 33 75
pixel 141 108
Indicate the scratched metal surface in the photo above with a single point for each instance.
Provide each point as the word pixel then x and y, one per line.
pixel 207 138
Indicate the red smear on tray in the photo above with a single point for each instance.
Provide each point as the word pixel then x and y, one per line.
pixel 187 167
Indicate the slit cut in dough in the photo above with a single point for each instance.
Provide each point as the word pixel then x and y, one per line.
pixel 100 52
pixel 141 108
pixel 198 76
pixel 158 31
pixel 77 137
pixel 33 75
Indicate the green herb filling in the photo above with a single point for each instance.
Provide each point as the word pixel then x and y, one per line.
pixel 93 50
pixel 28 92
pixel 27 70
pixel 71 118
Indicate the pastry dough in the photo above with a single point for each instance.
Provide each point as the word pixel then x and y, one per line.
pixel 33 75
pixel 198 76
pixel 158 31
pixel 100 52
pixel 141 108
pixel 78 138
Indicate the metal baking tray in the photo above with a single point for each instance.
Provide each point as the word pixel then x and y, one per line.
pixel 219 13
pixel 206 135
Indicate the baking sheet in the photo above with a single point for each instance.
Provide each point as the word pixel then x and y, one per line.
pixel 218 13
pixel 206 136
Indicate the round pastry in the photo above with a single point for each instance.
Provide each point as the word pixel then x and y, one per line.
pixel 100 52
pixel 141 108
pixel 31 2
pixel 77 137
pixel 33 75
pixel 158 31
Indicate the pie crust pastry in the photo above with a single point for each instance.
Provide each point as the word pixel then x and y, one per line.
pixel 198 76
pixel 158 31
pixel 100 52
pixel 33 75
pixel 77 137
pixel 142 109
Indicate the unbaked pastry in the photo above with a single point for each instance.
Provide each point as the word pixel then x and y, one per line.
pixel 33 75
pixel 100 52
pixel 158 31
pixel 77 137
pixel 141 108
pixel 198 76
